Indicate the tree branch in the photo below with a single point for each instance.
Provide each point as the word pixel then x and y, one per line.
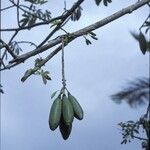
pixel 7 49
pixel 81 32
pixel 140 138
pixel 64 17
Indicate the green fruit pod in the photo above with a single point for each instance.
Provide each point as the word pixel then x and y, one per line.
pixel 67 111
pixel 55 114
pixel 65 129
pixel 78 111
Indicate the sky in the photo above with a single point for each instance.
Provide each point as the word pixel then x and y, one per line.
pixel 93 74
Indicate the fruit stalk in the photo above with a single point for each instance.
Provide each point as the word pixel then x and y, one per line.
pixel 63 68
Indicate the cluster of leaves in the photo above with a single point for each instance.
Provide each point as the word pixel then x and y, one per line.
pixel 76 14
pixel 135 94
pixel 131 130
pixel 31 16
pixel 44 74
pixel 15 47
pixel 144 44
pixel 92 35
pixel 37 71
pixel 37 1
pixel 105 2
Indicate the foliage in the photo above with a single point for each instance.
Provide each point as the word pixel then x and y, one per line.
pixel 105 2
pixel 133 130
pixel 144 43
pixel 135 94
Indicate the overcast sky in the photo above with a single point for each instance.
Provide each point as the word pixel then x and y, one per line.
pixel 93 73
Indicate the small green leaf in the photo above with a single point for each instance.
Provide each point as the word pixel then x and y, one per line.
pixel 47 77
pixel 44 79
pixel 97 2
pixel 92 33
pixel 53 94
pixel 27 73
pixel 88 41
pixel 93 37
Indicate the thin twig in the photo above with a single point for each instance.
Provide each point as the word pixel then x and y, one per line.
pixel 16 32
pixel 64 30
pixel 18 13
pixel 50 35
pixel 144 22
pixel 63 67
pixel 140 138
pixel 27 42
pixel 7 7
pixel 31 26
pixel 7 49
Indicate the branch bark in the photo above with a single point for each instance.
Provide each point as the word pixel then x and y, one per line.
pixel 80 32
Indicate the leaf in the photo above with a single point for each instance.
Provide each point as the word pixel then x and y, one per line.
pixel 27 73
pixel 24 22
pixel 44 79
pixel 93 37
pixel 124 141
pixel 88 42
pixel 106 2
pixel 38 62
pixel 97 2
pixel 76 14
pixel 53 94
pixel 142 43
pixel 135 35
pixel 1 90
pixel 92 33
pixel 47 77
pixel 32 21
pixel 136 131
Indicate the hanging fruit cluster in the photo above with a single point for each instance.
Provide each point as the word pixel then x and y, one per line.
pixel 64 108
pixel 62 113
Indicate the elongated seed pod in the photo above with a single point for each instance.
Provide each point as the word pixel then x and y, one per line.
pixel 65 129
pixel 78 111
pixel 67 110
pixel 55 114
